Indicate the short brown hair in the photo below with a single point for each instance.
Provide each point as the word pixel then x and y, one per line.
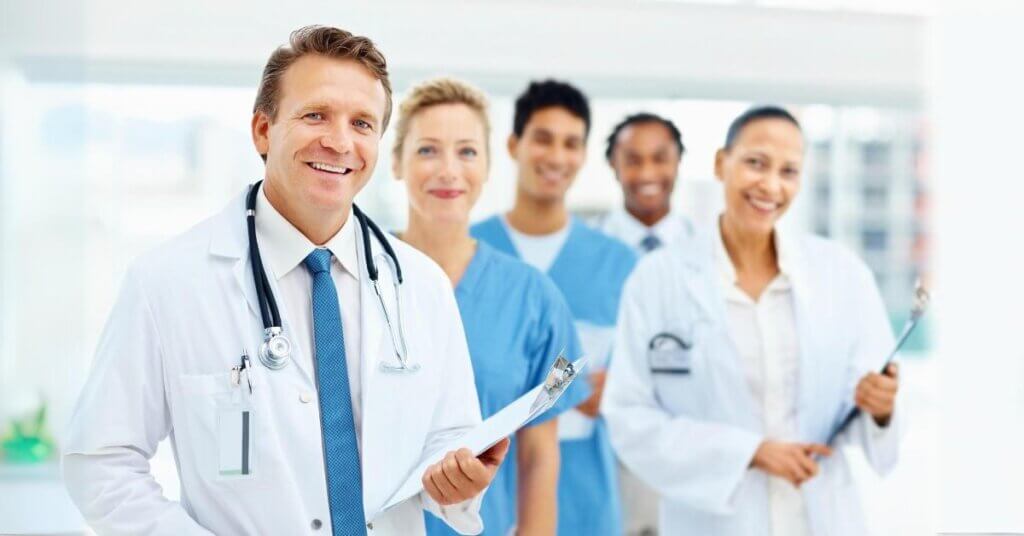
pixel 325 41
pixel 434 93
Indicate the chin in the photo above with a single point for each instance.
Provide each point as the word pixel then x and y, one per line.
pixel 328 201
pixel 760 225
pixel 547 192
pixel 651 208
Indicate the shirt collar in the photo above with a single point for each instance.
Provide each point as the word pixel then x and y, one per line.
pixel 783 250
pixel 283 247
pixel 627 228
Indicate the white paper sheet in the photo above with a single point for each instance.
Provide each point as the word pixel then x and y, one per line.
pixel 502 424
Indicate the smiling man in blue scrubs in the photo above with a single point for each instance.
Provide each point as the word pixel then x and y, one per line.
pixel 548 144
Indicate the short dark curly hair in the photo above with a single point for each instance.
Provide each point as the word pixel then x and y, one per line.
pixel 638 119
pixel 547 94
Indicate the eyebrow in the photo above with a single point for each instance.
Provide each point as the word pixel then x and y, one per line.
pixel 313 107
pixel 437 140
pixel 658 150
pixel 322 106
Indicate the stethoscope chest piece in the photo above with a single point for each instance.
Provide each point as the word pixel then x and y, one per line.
pixel 275 350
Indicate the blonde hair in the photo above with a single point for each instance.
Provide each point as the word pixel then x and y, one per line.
pixel 436 92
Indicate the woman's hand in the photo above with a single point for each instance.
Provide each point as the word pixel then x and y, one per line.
pixel 792 461
pixel 876 394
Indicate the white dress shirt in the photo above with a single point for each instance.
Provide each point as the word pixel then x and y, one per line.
pixel 622 225
pixel 765 335
pixel 284 249
pixel 539 251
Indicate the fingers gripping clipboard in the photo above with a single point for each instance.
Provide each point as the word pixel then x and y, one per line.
pixel 922 298
pixel 502 424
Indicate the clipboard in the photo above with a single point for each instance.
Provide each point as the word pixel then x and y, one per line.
pixel 502 424
pixel 920 305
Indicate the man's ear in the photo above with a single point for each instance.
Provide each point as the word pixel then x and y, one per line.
pixel 511 144
pixel 261 133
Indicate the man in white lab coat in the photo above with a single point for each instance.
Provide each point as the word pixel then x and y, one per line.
pixel 645 151
pixel 321 444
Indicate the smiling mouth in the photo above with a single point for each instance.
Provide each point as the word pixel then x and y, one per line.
pixel 337 170
pixel 551 176
pixel 763 205
pixel 649 189
pixel 446 194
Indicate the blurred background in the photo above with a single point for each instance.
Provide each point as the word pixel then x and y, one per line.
pixel 125 123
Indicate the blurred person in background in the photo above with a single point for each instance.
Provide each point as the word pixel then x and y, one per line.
pixel 515 319
pixel 548 145
pixel 738 357
pixel 645 151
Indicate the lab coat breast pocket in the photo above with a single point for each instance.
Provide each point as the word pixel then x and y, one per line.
pixel 221 427
pixel 673 359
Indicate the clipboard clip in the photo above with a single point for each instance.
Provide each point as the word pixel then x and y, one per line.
pixel 559 377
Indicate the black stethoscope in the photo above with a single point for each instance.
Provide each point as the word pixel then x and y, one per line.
pixel 276 349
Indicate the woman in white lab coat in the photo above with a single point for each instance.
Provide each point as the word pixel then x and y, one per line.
pixel 738 356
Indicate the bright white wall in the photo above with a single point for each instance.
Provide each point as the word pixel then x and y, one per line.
pixel 662 49
pixel 976 87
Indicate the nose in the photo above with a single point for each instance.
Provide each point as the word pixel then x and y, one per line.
pixel 558 156
pixel 449 167
pixel 338 139
pixel 648 172
pixel 771 183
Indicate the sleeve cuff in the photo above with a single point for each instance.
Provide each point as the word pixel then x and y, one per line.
pixel 463 517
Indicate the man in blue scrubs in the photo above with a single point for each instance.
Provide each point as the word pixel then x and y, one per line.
pixel 548 143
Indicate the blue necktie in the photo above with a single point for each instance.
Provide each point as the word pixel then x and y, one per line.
pixel 650 243
pixel 341 452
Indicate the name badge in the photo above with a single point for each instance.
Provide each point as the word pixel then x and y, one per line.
pixel 669 354
pixel 235 431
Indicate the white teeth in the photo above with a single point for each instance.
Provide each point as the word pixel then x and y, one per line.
pixel 329 168
pixel 763 205
pixel 549 175
pixel 649 189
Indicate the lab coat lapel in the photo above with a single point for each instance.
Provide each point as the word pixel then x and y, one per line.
pixel 230 239
pixel 702 284
pixel 809 356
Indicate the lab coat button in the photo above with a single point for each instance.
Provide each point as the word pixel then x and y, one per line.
pixel 369 526
pixel 316 524
pixel 305 397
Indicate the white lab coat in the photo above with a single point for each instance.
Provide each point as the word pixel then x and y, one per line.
pixel 185 312
pixel 692 436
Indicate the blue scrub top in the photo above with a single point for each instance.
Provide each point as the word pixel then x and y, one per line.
pixel 590 271
pixel 516 323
